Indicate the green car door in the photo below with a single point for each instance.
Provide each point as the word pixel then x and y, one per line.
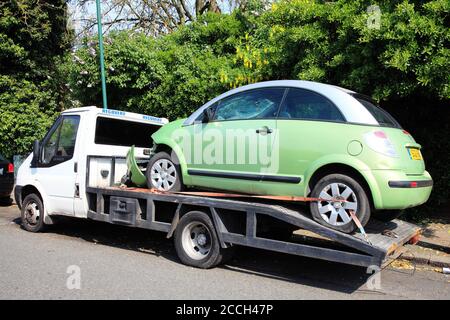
pixel 233 148
pixel 309 127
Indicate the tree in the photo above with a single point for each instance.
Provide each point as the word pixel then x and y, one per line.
pixel 153 17
pixel 33 40
pixel 149 16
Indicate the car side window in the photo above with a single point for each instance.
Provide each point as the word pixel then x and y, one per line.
pixel 306 104
pixel 255 104
pixel 59 145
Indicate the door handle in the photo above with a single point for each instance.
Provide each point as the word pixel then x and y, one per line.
pixel 264 130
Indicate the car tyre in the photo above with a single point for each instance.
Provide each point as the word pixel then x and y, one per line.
pixel 32 213
pixel 336 215
pixel 163 173
pixel 197 243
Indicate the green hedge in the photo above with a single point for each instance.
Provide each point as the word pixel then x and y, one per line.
pixel 33 41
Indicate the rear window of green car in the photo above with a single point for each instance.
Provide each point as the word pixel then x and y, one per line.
pixel 382 116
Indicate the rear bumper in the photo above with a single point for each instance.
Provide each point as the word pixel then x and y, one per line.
pixel 411 184
pixel 400 191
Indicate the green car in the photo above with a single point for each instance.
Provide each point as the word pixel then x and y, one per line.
pixel 296 138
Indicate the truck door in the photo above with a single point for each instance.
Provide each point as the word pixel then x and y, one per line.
pixel 55 167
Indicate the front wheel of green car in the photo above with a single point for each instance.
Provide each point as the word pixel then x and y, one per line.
pixel 163 173
pixel 336 214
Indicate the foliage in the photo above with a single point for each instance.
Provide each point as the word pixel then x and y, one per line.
pixel 32 40
pixel 337 42
pixel 168 76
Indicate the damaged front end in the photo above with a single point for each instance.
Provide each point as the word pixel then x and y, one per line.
pixel 136 168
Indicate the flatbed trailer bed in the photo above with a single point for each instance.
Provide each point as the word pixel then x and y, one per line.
pixel 237 223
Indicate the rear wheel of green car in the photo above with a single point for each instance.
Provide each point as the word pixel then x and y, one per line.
pixel 163 173
pixel 336 214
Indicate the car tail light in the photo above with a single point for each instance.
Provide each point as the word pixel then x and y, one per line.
pixel 10 168
pixel 409 135
pixel 379 142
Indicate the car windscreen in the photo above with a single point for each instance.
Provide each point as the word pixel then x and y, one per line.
pixel 2 159
pixel 382 116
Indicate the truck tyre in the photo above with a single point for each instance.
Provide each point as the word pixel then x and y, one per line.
pixel 32 213
pixel 387 215
pixel 196 242
pixel 336 215
pixel 163 173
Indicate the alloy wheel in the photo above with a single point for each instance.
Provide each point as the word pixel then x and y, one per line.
pixel 163 175
pixel 337 213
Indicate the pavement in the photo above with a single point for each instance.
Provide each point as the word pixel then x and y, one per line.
pixel 433 249
pixel 82 259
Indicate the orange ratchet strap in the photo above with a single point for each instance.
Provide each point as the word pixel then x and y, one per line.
pixel 236 195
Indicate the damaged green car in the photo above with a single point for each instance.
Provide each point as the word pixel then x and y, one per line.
pixel 296 138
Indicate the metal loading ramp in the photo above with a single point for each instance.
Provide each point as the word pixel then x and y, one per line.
pixel 351 249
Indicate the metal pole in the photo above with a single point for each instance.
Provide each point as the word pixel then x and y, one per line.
pixel 102 63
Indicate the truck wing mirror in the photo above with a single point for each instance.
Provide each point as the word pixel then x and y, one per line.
pixel 35 152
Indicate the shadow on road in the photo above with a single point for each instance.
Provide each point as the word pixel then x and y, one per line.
pixel 283 267
pixel 6 202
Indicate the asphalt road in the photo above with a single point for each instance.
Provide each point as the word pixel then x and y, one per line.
pixel 123 263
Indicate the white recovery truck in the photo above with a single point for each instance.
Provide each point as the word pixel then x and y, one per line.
pixel 76 171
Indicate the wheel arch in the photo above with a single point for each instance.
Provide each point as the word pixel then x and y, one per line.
pixel 29 189
pixel 38 190
pixel 364 177
pixel 175 150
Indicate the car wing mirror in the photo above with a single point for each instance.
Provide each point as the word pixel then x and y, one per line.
pixel 208 114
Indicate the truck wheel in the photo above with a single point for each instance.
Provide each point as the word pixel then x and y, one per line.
pixel 387 215
pixel 336 214
pixel 196 241
pixel 163 173
pixel 32 213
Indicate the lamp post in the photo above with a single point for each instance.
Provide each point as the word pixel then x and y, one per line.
pixel 102 63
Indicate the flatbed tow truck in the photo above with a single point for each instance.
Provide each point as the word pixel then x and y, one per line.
pixel 205 229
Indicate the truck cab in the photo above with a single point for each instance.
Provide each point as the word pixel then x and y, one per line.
pixel 56 172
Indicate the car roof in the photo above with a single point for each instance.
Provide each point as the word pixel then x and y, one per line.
pixel 349 106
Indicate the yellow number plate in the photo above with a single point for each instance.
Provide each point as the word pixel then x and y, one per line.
pixel 415 154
